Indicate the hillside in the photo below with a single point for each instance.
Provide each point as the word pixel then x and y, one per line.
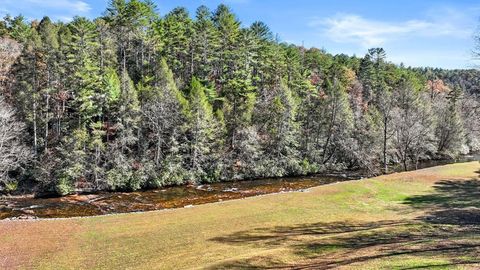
pixel 135 100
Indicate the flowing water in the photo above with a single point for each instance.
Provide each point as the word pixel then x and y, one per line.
pixel 173 197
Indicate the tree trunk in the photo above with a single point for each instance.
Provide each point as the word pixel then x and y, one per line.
pixel 46 123
pixel 330 132
pixel 385 130
pixel 35 139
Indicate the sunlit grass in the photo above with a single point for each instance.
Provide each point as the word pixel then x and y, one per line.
pixel 349 224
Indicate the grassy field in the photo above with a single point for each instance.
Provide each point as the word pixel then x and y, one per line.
pixel 427 219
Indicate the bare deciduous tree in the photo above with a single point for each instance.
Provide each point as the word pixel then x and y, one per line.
pixel 413 135
pixel 13 153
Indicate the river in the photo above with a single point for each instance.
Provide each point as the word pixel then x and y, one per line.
pixel 172 197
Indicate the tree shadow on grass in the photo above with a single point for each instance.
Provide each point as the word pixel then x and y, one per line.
pixel 453 202
pixel 448 235
pixel 331 245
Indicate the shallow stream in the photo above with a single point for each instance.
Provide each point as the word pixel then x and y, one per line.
pixel 171 197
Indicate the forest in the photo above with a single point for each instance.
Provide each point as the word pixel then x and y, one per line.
pixel 134 100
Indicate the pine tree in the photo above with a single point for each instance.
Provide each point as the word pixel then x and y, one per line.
pixel 228 28
pixel 165 114
pixel 18 28
pixel 107 46
pixel 122 165
pixel 238 105
pixel 338 123
pixel 204 135
pixel 84 64
pixel 27 88
pixel 381 96
pixel 176 34
pixel 51 74
pixel 3 29
pixel 275 116
pixel 205 44
pixel 131 22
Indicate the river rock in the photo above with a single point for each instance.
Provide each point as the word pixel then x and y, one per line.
pixel 26 217
pixel 28 211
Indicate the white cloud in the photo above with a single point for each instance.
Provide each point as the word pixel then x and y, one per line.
pixel 63 10
pixel 65 19
pixel 351 28
pixel 75 5
pixel 446 59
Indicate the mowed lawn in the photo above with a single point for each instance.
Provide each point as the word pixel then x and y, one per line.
pixel 426 219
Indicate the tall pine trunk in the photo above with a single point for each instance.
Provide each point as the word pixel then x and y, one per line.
pixel 385 132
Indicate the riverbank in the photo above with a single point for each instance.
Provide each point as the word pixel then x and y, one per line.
pixel 415 219
pixel 107 203
pixel 84 205
pixel 337 174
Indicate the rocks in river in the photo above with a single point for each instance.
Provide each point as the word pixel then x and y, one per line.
pixel 24 217
pixel 78 198
pixel 204 188
pixel 28 211
pixel 231 190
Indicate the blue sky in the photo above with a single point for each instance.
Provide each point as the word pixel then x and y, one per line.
pixel 416 32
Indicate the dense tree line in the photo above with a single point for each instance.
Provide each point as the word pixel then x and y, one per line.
pixel 466 79
pixel 135 100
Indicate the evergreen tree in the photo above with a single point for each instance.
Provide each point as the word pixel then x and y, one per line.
pixel 122 165
pixel 176 34
pixel 131 21
pixel 381 96
pixel 205 140
pixel 27 88
pixel 275 116
pixel 165 114
pixel 18 28
pixel 205 44
pixel 228 28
